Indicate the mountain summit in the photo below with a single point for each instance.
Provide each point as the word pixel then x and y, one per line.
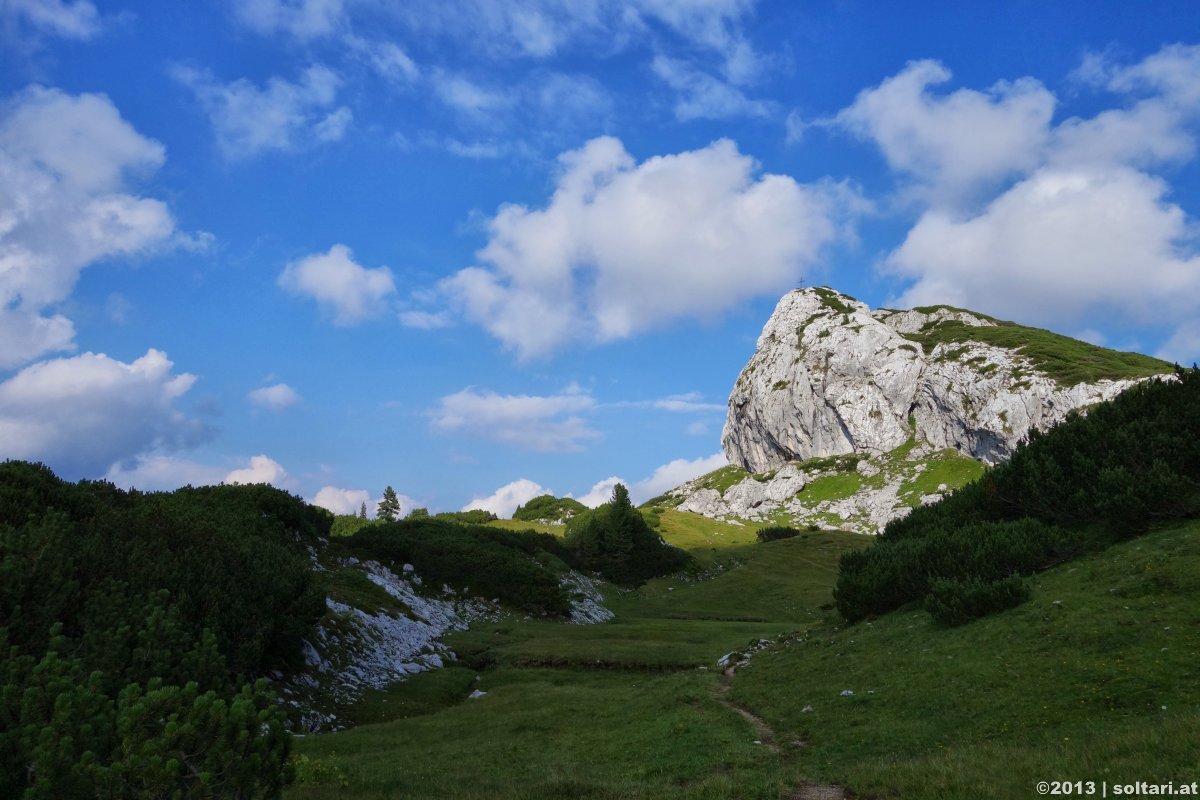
pixel 832 377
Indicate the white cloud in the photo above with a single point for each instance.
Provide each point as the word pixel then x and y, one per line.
pixel 530 422
pixel 463 94
pixel 83 414
pixel 301 19
pixel 1183 347
pixel 954 143
pixel 665 477
pixel 1062 225
pixel 673 473
pixel 689 402
pixel 623 247
pixel 65 162
pixel 387 59
pixel 261 469
pixel 504 501
pixel 161 473
pixel 543 28
pixel 282 116
pixel 351 293
pixel 697 428
pixel 426 320
pixel 344 501
pixel 1056 245
pixel 72 19
pixel 703 96
pixel 601 492
pixel 275 398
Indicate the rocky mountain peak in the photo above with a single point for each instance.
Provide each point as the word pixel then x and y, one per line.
pixel 832 377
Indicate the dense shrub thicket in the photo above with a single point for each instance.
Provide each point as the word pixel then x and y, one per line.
pixel 550 508
pixel 1123 467
pixel 773 533
pixel 131 627
pixel 488 561
pixel 474 516
pixel 616 541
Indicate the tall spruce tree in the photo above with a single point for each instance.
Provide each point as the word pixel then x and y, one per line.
pixel 362 510
pixel 389 506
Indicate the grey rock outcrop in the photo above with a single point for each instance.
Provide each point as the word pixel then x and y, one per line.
pixel 831 377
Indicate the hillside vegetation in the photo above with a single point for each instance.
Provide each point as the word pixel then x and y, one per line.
pixel 1069 361
pixel 548 508
pixel 1111 474
pixel 132 628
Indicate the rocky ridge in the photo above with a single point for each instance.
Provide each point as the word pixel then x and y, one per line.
pixel 847 417
pixel 831 377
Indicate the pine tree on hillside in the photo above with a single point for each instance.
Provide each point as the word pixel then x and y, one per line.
pixel 389 506
pixel 362 511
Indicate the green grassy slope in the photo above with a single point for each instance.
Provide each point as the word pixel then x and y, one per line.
pixel 1069 361
pixel 625 709
pixel 1094 678
pixel 1070 685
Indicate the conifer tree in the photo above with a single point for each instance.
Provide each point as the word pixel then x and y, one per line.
pixel 362 511
pixel 389 506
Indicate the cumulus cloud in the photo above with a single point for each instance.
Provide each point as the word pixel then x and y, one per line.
pixel 622 247
pixel 1056 245
pixel 162 473
pixel 504 501
pixel 261 469
pixel 66 162
pixel 348 501
pixel 69 19
pixel 349 292
pixel 281 116
pixel 601 491
pixel 530 422
pixel 673 473
pixel 952 143
pixel 1063 225
pixel 665 477
pixel 275 398
pixel 83 414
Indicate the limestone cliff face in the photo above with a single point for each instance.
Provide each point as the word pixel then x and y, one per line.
pixel 832 377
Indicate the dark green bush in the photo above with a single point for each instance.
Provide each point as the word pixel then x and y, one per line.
pixel 347 524
pixel 490 562
pixel 130 624
pixel 775 532
pixel 475 516
pixel 616 541
pixel 954 601
pixel 550 508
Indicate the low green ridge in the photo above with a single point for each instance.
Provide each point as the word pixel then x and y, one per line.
pixel 1068 361
pixel 549 508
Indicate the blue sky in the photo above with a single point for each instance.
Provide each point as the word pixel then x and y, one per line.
pixel 481 250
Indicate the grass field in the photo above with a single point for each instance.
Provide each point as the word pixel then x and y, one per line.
pixel 1093 679
pixel 624 709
